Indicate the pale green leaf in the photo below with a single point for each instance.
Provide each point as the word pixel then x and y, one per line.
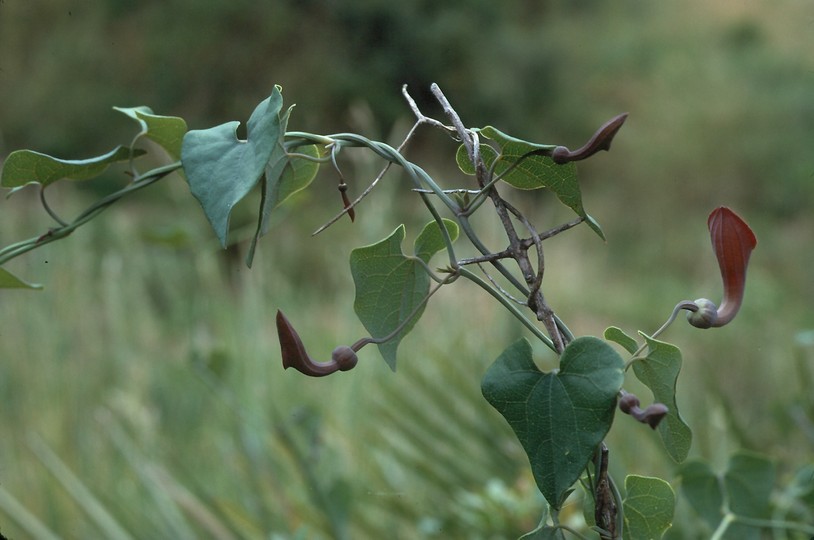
pixel 221 169
pixel 166 131
pixel 618 336
pixel 390 289
pixel 648 507
pixel 24 167
pixel 10 281
pixel 430 241
pixel 659 372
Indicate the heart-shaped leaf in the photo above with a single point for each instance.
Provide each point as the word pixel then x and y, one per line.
pixel 221 169
pixel 659 372
pixel 166 131
pixel 10 281
pixel 534 172
pixel 24 167
pixel 560 418
pixel 391 287
pixel 649 507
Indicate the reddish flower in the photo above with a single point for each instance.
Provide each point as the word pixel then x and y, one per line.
pixel 733 242
pixel 294 355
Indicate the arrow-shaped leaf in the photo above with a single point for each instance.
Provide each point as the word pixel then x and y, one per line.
pixel 391 287
pixel 24 167
pixel 10 281
pixel 222 169
pixel 659 372
pixel 560 418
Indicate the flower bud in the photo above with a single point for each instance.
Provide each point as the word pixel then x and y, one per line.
pixel 344 357
pixel 628 402
pixel 706 315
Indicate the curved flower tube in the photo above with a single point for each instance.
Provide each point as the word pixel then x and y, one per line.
pixel 601 140
pixel 732 242
pixel 294 355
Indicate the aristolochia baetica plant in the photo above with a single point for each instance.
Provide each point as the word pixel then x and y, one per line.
pixel 561 417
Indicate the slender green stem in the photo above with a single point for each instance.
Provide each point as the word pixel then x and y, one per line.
pixel 48 208
pixel 731 518
pixel 306 138
pixel 464 272
pixel 384 339
pixel 57 233
pixel 684 304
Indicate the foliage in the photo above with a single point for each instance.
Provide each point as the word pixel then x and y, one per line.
pixel 561 417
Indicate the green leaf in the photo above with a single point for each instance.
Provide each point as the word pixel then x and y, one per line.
pixel 166 131
pixel 648 507
pixel 743 490
pixel 702 489
pixel 221 169
pixel 659 372
pixel 748 481
pixel 283 177
pixel 430 241
pixel 560 418
pixel 488 154
pixel 390 288
pixel 24 167
pixel 618 336
pixel 298 173
pixel 10 281
pixel 534 172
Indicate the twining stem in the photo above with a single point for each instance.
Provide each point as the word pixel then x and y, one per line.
pixel 419 177
pixel 464 272
pixel 536 300
pixel 48 209
pixel 15 250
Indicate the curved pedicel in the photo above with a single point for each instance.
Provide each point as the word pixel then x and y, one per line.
pixel 601 140
pixel 343 358
pixel 732 242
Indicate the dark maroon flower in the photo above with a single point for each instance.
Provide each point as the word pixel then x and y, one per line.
pixel 732 242
pixel 294 355
pixel 652 415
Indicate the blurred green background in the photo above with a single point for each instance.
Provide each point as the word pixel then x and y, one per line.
pixel 141 394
